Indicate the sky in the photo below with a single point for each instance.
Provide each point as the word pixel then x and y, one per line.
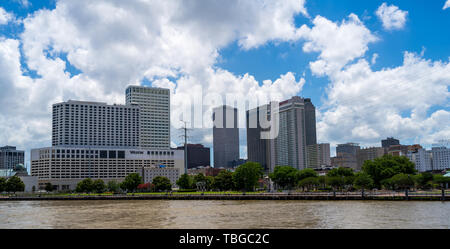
pixel 373 69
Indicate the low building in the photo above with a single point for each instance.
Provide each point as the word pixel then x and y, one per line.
pixel 345 160
pixel 367 154
pixel 207 171
pixel 422 159
pixel 197 155
pixel 149 173
pixel 30 182
pixel 441 158
pixel 64 167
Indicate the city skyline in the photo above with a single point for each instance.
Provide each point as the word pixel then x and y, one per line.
pixel 378 86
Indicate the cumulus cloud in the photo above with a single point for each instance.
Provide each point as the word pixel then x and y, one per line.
pixel 365 105
pixel 111 44
pixel 5 16
pixel 391 16
pixel 337 43
pixel 447 5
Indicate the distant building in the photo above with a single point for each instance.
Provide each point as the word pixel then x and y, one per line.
pixel 197 155
pixel 398 150
pixel 154 107
pixel 10 157
pixel 441 158
pixel 310 122
pixel 422 159
pixel 225 136
pixel 346 156
pixel 30 182
pixel 318 156
pixel 367 154
pixel 81 123
pixel 149 173
pixel 388 142
pixel 207 171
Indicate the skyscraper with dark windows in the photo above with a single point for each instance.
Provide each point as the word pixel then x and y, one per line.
pixel 225 136
pixel 310 122
pixel 388 142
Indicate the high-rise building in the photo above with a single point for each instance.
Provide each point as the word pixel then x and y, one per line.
pixel 366 154
pixel 154 106
pixel 290 145
pixel 318 156
pixel 225 136
pixel 422 159
pixel 441 158
pixel 296 128
pixel 197 155
pixel 310 122
pixel 388 142
pixel 10 157
pixel 80 123
pixel 258 150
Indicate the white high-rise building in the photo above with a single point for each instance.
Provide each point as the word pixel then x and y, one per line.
pixel 81 123
pixel 441 158
pixel 154 104
pixel 422 159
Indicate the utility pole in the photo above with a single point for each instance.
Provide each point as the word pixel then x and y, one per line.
pixel 185 136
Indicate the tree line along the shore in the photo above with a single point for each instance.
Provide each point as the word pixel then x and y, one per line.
pixel 388 172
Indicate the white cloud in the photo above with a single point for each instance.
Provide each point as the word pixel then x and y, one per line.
pixel 5 17
pixel 374 58
pixel 116 43
pixel 391 16
pixel 447 5
pixel 337 44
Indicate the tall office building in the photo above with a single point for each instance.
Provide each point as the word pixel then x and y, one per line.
pixel 310 122
pixel 225 136
pixel 10 157
pixel 79 123
pixel 318 156
pixel 258 150
pixel 154 104
pixel 296 129
pixel 388 142
pixel 290 145
pixel 441 158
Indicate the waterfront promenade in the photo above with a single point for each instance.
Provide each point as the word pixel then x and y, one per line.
pixel 331 196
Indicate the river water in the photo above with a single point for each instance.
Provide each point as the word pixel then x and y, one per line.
pixel 162 214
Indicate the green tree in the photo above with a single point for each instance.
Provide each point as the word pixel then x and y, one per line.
pixel 386 167
pixel 162 183
pixel 15 184
pixel 184 182
pixel 2 184
pixel 336 182
pixel 113 186
pixel 209 182
pixel 306 173
pixel 424 180
pixel 99 186
pixel 85 186
pixel 49 187
pixel 131 182
pixel 340 172
pixel 310 183
pixel 402 181
pixel 363 181
pixel 247 175
pixel 199 180
pixel 224 181
pixel 284 176
pixel 441 180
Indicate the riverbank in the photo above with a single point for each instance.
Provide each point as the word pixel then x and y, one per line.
pixel 266 196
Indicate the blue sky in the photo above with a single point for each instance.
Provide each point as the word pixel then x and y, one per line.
pixel 93 50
